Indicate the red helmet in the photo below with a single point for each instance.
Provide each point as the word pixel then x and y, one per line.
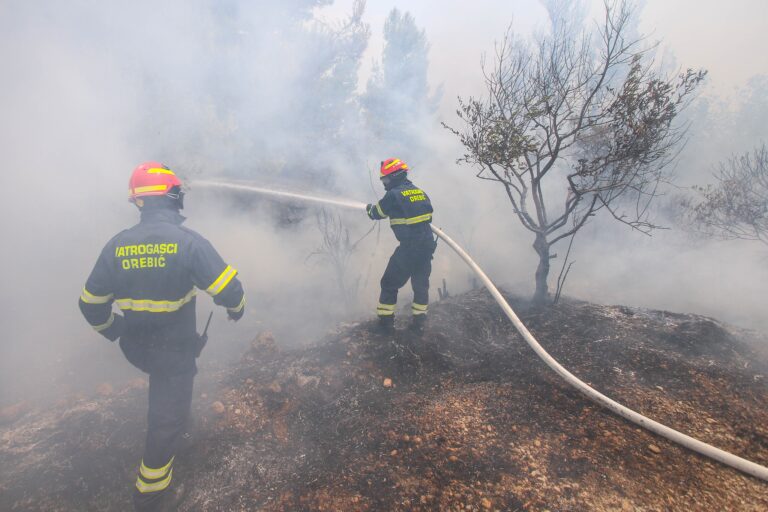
pixel 151 179
pixel 391 166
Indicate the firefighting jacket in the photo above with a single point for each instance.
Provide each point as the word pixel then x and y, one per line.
pixel 152 272
pixel 409 210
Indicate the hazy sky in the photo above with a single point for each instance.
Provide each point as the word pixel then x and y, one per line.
pixel 728 39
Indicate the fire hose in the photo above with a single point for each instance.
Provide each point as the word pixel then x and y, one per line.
pixel 673 435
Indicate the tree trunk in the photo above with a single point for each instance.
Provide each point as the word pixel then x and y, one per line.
pixel 541 246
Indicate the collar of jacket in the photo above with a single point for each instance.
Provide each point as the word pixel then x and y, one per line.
pixel 397 181
pixel 162 215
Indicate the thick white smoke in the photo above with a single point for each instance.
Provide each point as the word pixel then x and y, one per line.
pixel 260 91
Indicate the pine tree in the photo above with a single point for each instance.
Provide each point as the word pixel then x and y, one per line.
pixel 397 100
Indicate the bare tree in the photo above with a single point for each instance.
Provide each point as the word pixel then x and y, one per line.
pixel 577 122
pixel 737 206
pixel 336 249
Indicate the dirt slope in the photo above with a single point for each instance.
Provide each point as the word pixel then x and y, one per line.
pixel 472 420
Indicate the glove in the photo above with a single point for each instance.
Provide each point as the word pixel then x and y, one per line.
pixel 235 315
pixel 368 210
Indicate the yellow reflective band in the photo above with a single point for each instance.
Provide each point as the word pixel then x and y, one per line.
pixel 152 474
pixel 222 281
pixel 411 220
pixel 105 325
pixel 385 309
pixel 149 188
pixel 155 306
pixel 157 170
pixel 381 212
pixel 90 298
pixel 239 307
pixel 392 163
pixel 419 307
pixel 144 487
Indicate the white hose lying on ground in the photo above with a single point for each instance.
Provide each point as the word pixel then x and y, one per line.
pixel 597 397
pixel 689 442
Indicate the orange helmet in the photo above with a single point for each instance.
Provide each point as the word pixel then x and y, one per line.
pixel 392 166
pixel 151 179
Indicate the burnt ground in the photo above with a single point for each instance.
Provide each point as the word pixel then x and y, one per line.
pixel 466 418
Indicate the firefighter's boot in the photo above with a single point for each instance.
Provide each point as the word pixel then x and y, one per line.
pixel 152 502
pixel 418 324
pixel 386 325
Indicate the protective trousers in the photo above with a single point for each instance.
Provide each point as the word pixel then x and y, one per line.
pixel 409 261
pixel 171 378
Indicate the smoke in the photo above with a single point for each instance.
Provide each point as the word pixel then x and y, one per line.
pixel 92 89
pixel 270 92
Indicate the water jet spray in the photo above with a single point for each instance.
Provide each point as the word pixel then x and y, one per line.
pixel 242 187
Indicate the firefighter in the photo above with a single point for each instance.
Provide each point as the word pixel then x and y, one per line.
pixel 151 272
pixel 410 214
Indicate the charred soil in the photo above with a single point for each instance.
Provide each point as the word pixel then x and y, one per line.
pixel 465 417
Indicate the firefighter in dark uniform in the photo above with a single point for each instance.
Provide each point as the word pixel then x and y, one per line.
pixel 152 272
pixel 410 214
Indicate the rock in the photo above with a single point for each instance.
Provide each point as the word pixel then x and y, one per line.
pixel 275 387
pixel 105 389
pixel 264 342
pixel 654 448
pixel 537 443
pixel 417 440
pixel 218 408
pixel 486 503
pixel 406 438
pixel 626 506
pixel 387 383
pixel 393 453
pixel 453 458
